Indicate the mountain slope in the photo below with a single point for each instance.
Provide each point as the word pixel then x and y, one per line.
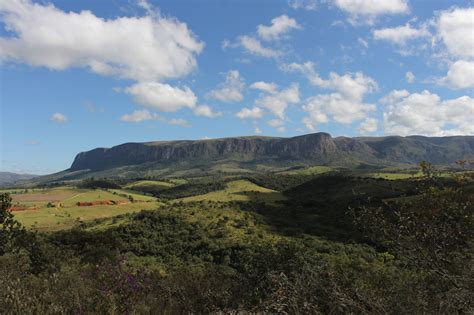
pixel 7 178
pixel 261 154
pixel 318 148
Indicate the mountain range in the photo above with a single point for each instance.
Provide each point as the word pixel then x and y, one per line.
pixel 257 154
pixel 8 178
pixel 317 148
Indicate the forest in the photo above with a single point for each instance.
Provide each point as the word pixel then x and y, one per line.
pixel 328 243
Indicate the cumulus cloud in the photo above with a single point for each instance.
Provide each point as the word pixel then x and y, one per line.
pixel 253 46
pixel 140 115
pixel 309 5
pixel 59 118
pixel 321 108
pixel 162 97
pixel 345 105
pixel 369 125
pixel 459 76
pixel 455 30
pixel 264 86
pixel 393 96
pixel 257 130
pixel 410 77
pixel 366 11
pixel 280 25
pixel 206 111
pixel 252 43
pixel 349 85
pixel 231 89
pixel 426 113
pixel 144 48
pixel 147 49
pixel 278 102
pixel 253 113
pixel 400 35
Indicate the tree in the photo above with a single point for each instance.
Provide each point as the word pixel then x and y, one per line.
pixel 10 229
pixel 434 234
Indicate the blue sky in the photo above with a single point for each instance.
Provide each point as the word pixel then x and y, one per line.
pixel 76 75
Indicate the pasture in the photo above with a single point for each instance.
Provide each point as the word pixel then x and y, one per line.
pixel 59 208
pixel 239 190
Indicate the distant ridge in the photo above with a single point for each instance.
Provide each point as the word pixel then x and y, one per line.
pixel 8 178
pixel 317 148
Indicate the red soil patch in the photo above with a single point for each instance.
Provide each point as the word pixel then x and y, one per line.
pixel 19 208
pixel 101 202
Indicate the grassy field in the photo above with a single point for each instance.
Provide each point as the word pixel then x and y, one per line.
pixel 394 176
pixel 239 190
pixel 150 184
pixel 308 171
pixel 63 211
pixel 53 219
pixel 405 175
pixel 135 195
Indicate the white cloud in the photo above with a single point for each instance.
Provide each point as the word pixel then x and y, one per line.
pixel 410 77
pixel 426 113
pixel 455 28
pixel 146 48
pixel 400 35
pixel 309 5
pixel 276 122
pixel 264 86
pixel 363 42
pixel 257 130
pixel 206 111
pixel 253 113
pixel 366 11
pixel 179 122
pixel 393 96
pixel 350 85
pixel 280 25
pixel 460 75
pixel 278 102
pixel 369 125
pixel 145 5
pixel 140 115
pixel 252 44
pixel 231 89
pixel 162 97
pixel 281 129
pixel 59 118
pixel 321 108
pixel 315 117
pixel 226 44
pixel 255 47
pixel 345 105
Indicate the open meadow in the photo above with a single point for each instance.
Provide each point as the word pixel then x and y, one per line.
pixel 58 208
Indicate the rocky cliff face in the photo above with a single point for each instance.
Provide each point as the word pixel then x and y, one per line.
pixel 318 148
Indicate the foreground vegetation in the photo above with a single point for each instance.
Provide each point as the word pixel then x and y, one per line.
pixel 300 242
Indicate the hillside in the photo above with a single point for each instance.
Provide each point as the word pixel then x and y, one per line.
pixel 7 178
pixel 244 155
pixel 318 148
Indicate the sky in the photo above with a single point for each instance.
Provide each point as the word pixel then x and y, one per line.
pixel 76 75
